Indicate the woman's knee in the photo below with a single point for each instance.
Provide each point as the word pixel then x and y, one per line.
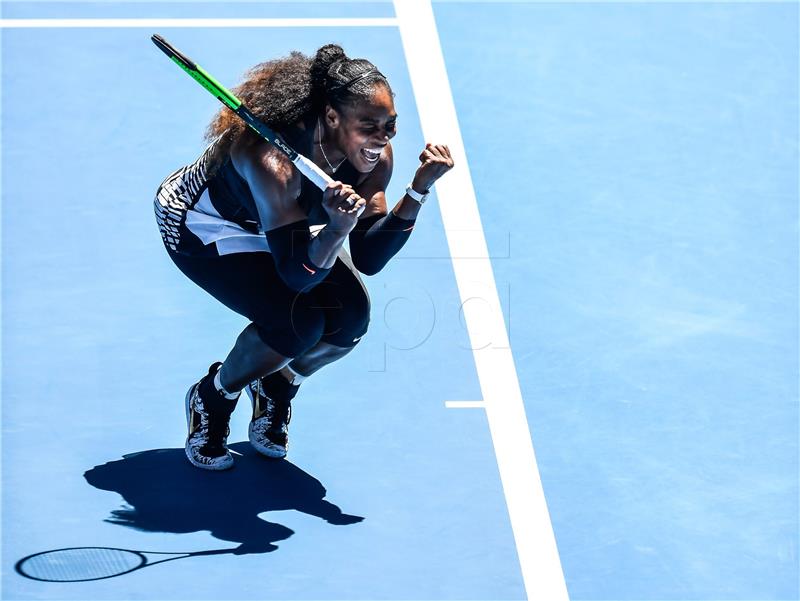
pixel 346 326
pixel 302 331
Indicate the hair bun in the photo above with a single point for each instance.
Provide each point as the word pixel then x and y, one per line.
pixel 324 58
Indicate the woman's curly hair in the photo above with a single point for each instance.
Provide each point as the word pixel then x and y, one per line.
pixel 283 91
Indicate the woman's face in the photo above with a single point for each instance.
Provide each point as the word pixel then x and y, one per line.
pixel 363 130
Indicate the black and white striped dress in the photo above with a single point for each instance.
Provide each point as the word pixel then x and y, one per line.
pixel 213 215
pixel 189 221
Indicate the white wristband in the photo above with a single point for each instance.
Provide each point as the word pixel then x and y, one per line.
pixel 412 193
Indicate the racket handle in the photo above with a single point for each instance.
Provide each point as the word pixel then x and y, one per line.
pixel 308 168
pixel 317 176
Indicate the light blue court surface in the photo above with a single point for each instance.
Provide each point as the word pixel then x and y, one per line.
pixel 636 170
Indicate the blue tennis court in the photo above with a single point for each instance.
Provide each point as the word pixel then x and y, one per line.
pixel 609 277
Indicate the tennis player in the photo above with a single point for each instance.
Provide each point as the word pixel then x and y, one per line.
pixel 244 225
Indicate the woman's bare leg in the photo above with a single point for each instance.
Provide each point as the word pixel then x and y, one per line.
pixel 249 360
pixel 318 356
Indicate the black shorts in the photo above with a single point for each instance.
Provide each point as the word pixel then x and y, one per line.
pixel 335 311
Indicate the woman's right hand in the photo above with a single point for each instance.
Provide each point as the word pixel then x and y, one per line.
pixel 343 206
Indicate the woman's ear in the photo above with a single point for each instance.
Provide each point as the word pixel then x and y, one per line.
pixel 332 117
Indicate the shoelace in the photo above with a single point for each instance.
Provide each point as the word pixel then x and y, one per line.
pixel 217 427
pixel 278 412
pixel 218 432
pixel 282 412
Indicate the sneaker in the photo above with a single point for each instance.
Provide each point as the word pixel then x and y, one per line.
pixel 207 415
pixel 271 399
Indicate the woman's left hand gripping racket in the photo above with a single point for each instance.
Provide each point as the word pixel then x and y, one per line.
pixel 306 166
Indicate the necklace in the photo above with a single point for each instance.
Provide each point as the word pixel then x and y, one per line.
pixel 324 156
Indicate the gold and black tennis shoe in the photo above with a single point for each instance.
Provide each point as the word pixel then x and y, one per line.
pixel 271 400
pixel 208 414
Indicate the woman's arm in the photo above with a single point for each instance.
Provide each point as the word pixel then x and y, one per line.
pixel 302 262
pixel 373 190
pixel 380 234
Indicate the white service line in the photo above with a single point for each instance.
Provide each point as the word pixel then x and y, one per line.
pixel 158 22
pixel 465 404
pixel 505 411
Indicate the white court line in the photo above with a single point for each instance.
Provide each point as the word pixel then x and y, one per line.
pixel 505 411
pixel 2 294
pixel 309 22
pixel 465 404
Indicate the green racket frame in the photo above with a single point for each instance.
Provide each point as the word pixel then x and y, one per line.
pixel 306 166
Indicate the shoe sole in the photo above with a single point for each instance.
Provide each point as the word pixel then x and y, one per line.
pixel 273 452
pixel 192 460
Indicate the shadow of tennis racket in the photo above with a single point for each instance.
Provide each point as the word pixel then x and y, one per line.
pixel 165 494
pixel 81 564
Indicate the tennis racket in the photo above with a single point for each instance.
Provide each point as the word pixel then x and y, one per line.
pixel 80 564
pixel 306 166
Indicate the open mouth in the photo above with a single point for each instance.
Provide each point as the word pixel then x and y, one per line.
pixel 370 155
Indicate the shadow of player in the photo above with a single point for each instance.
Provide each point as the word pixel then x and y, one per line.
pixel 166 494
